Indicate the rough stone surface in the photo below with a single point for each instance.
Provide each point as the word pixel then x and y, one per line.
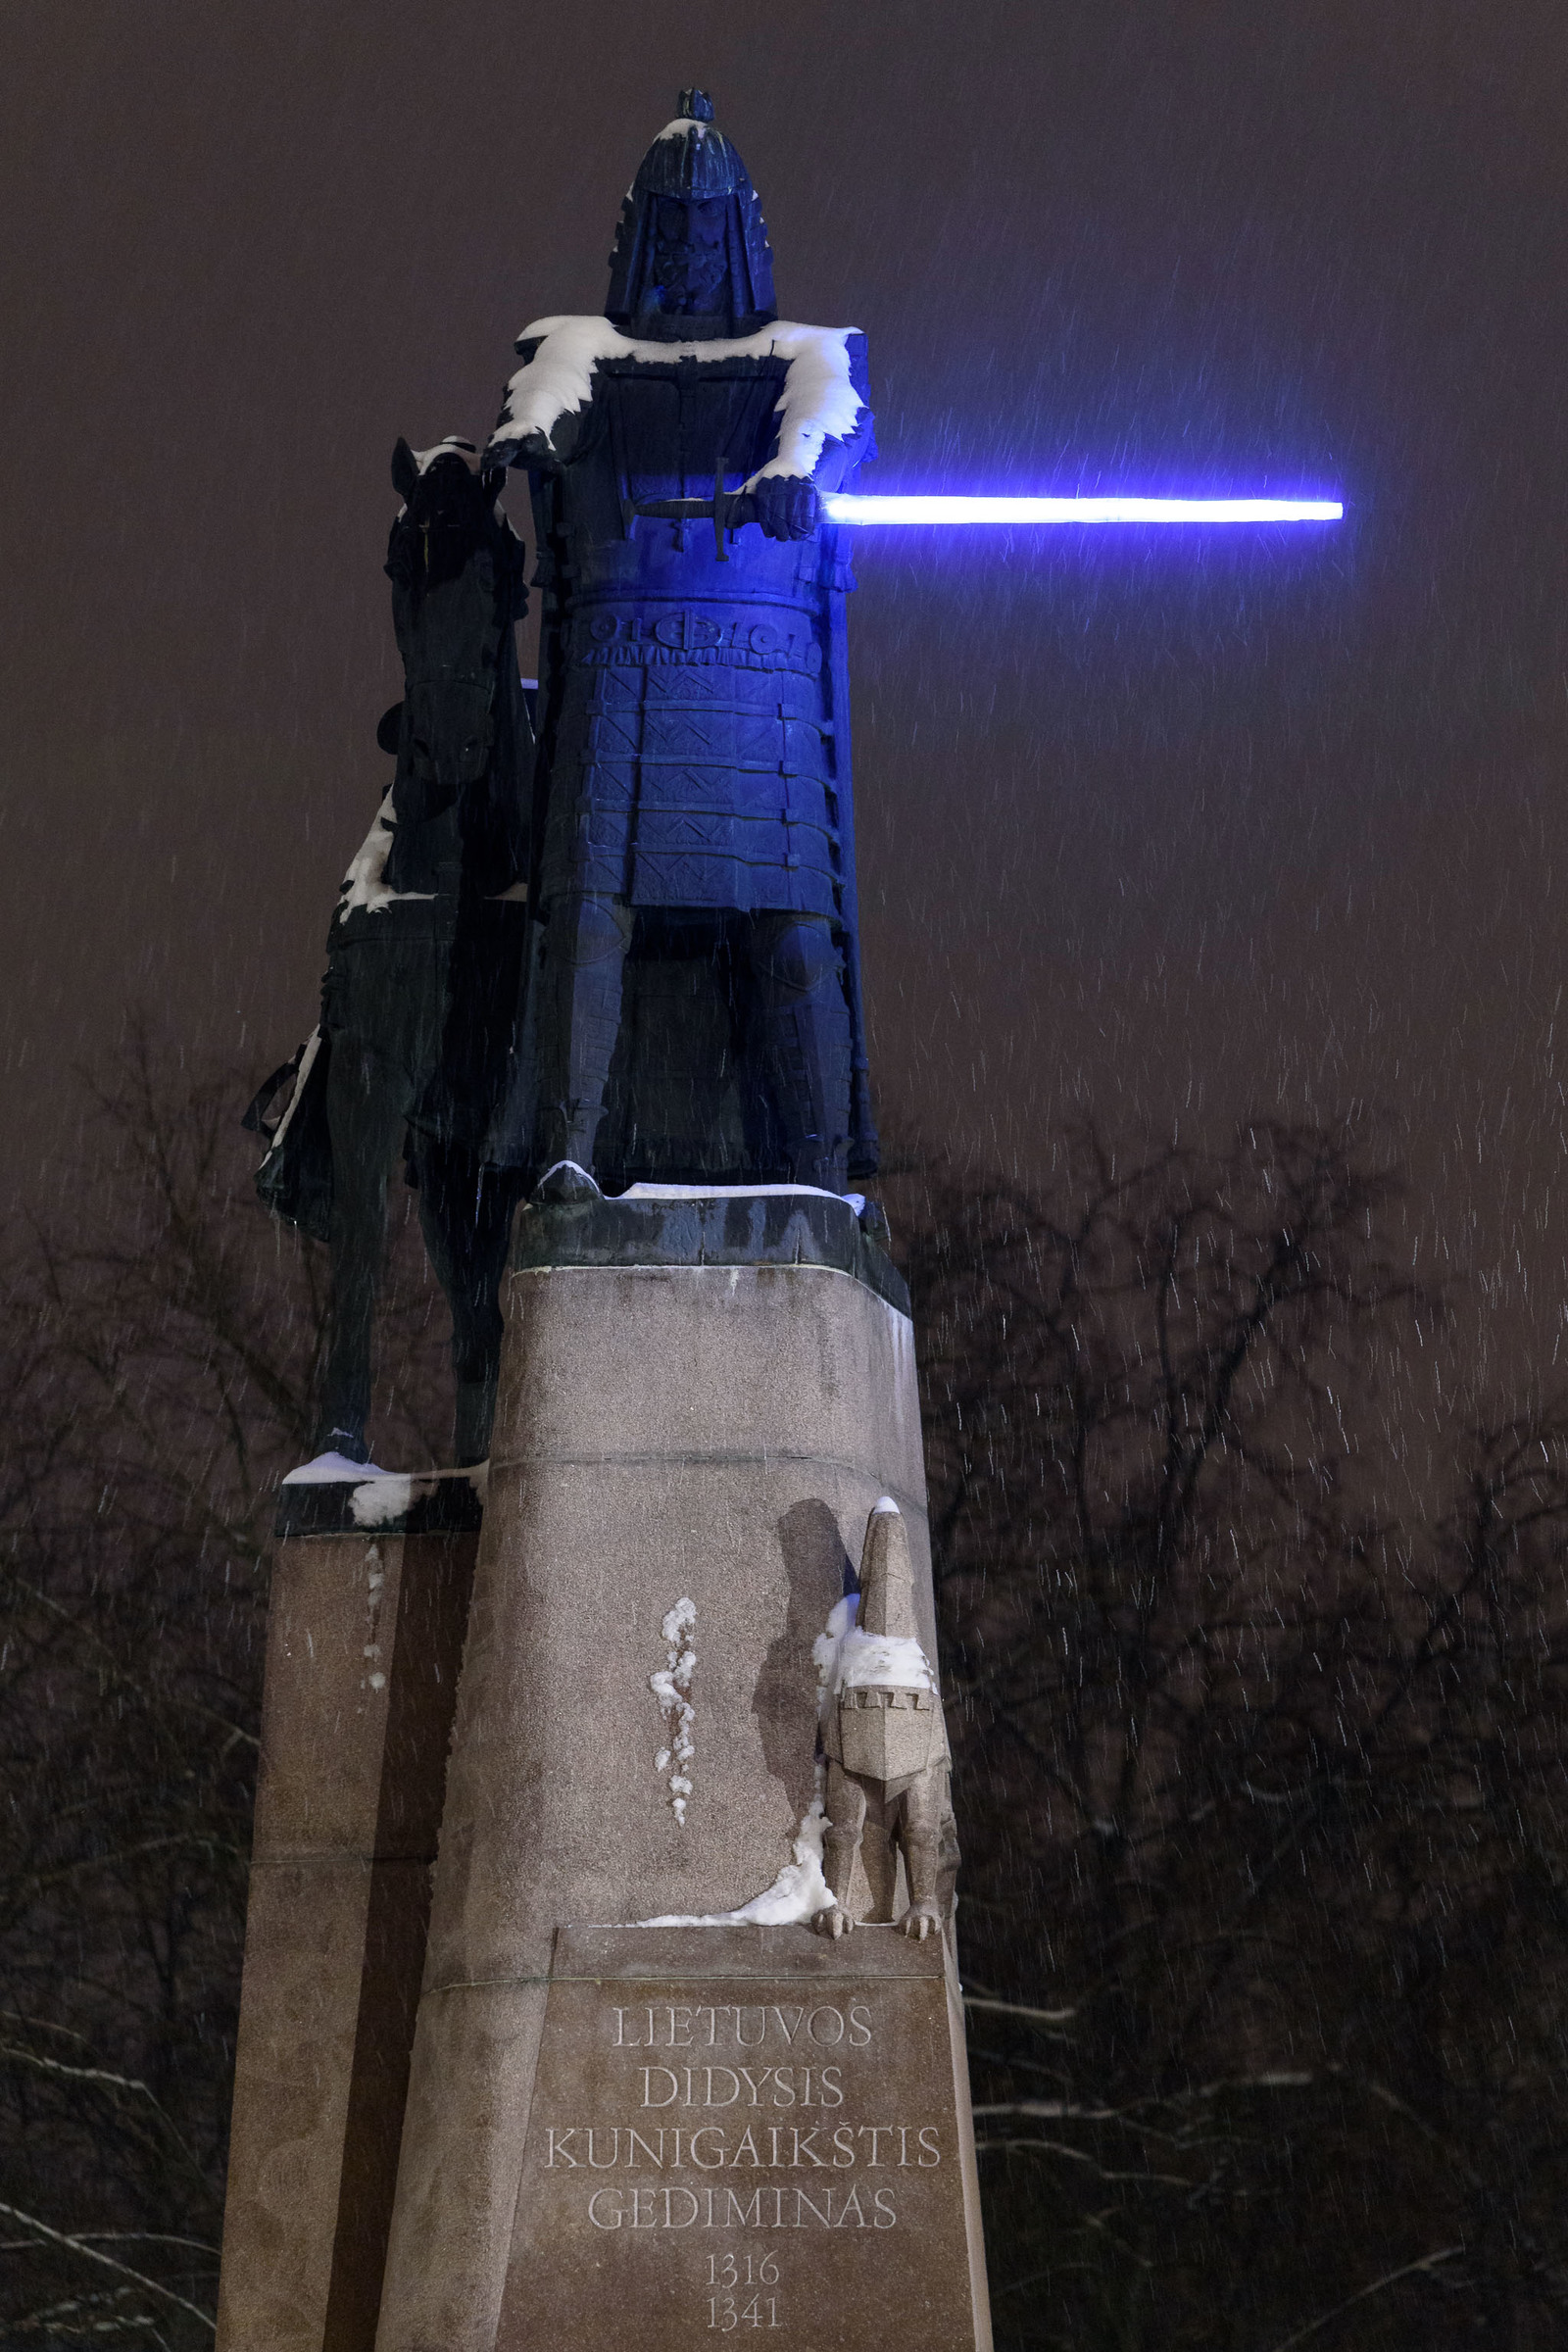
pixel 364 1644
pixel 716 1434
pixel 791 1226
pixel 740 2128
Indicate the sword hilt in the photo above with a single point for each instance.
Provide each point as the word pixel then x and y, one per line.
pixel 728 509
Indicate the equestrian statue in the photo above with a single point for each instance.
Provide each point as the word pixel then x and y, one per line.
pixel 628 953
pixel 425 960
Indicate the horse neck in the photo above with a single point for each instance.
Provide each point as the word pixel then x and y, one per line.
pixel 452 629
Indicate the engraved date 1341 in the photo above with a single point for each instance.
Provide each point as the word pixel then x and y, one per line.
pixel 732 2275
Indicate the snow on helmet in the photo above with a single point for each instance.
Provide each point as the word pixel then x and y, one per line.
pixel 691 191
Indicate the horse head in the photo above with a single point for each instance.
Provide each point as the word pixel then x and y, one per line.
pixel 455 571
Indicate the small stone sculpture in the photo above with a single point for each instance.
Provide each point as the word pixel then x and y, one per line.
pixel 888 1760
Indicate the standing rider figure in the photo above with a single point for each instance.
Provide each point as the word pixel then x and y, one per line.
pixel 693 813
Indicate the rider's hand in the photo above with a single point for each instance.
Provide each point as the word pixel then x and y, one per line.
pixel 787 505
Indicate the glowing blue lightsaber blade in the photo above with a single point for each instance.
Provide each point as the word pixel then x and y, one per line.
pixel 843 506
pixel 729 510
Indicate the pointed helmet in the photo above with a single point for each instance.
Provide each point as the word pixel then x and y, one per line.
pixel 691 258
pixel 886 1575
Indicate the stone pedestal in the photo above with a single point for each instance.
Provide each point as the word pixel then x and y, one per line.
pixel 364 1639
pixel 748 2128
pixel 700 1403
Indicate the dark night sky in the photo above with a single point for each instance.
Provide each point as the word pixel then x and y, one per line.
pixel 1174 828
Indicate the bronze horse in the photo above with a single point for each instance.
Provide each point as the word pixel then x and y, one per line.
pixel 415 1047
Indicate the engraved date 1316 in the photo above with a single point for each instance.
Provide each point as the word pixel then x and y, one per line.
pixel 732 2276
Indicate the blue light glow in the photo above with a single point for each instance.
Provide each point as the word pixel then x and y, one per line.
pixel 844 508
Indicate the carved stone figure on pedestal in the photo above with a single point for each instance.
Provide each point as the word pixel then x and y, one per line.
pixel 694 1006
pixel 424 958
pixel 886 1743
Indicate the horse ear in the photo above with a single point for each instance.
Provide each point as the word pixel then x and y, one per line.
pixel 405 471
pixel 389 729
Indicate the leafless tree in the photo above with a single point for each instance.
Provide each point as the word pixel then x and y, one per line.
pixel 1260 1739
pixel 1260 1762
pixel 160 1340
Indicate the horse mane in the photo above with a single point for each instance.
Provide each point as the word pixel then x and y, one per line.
pixel 451 523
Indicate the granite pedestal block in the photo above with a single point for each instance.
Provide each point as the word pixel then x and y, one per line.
pixel 365 1642
pixel 704 1412
pixel 739 2128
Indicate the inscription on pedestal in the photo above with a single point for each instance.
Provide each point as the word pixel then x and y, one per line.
pixel 740 2130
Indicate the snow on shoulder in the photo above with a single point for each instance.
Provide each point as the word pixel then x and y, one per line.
pixel 883 1661
pixel 364 884
pixel 819 402
pixel 849 1659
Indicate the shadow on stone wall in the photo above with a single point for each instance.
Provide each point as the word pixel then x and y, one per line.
pixel 784 1702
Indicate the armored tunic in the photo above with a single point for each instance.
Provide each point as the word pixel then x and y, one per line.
pixel 691 744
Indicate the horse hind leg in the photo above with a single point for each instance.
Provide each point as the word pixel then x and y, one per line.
pixel 477 1322
pixel 465 1215
pixel 366 1108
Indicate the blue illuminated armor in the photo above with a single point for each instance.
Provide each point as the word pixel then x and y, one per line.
pixel 693 1004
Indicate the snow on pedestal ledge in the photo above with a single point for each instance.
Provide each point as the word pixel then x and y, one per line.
pixel 796 1896
pixel 740 1191
pixel 333 1469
